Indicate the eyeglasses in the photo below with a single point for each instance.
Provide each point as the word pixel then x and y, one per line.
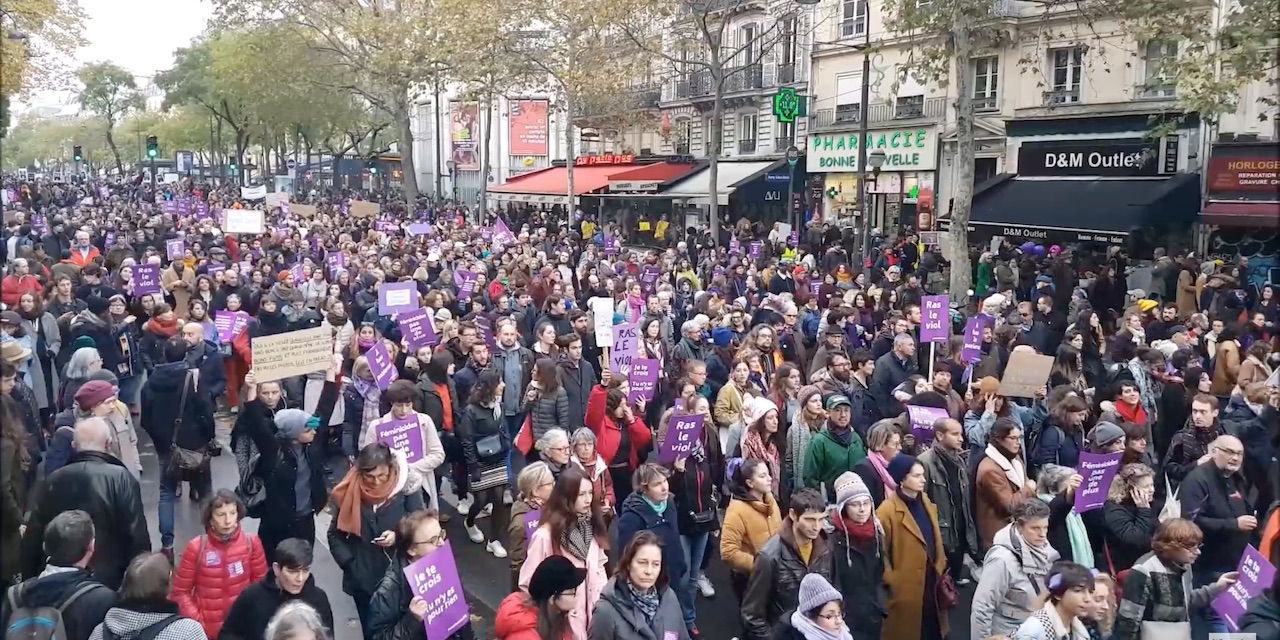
pixel 1234 453
pixel 437 540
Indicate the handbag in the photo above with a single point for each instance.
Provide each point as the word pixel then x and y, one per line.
pixel 1172 507
pixel 489 446
pixel 947 594
pixel 180 459
pixel 495 476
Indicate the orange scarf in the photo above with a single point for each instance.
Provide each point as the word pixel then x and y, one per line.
pixel 447 403
pixel 352 491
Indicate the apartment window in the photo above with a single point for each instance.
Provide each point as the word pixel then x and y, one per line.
pixel 1156 56
pixel 1067 69
pixel 684 133
pixel 749 45
pixel 848 97
pixel 747 133
pixel 908 107
pixel 708 130
pixel 986 83
pixel 853 18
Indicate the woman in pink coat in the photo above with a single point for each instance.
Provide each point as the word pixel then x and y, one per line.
pixel 572 525
pixel 216 567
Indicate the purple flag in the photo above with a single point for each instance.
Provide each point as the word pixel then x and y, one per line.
pixel 682 434
pixel 434 579
pixel 625 340
pixel 1097 469
pixel 175 248
pixel 935 325
pixel 1256 575
pixel 403 435
pixel 417 329
pixel 643 379
pixel 922 419
pixel 146 279
pixel 381 365
pixel 397 297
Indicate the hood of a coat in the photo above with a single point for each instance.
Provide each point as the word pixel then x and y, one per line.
pixel 514 616
pixel 168 377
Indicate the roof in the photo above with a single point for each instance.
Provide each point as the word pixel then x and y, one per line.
pixel 1105 205
pixel 551 185
pixel 729 176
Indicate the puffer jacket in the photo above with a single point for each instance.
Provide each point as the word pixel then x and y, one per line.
pixel 128 620
pixel 389 617
pixel 636 515
pixel 1005 596
pixel 212 573
pixel 516 620
pixel 773 590
pixel 617 618
pixel 548 411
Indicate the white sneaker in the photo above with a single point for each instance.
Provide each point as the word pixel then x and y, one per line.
pixel 473 532
pixel 496 549
pixel 464 505
pixel 485 512
pixel 705 588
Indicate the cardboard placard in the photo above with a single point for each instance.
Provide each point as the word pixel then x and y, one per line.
pixel 244 221
pixel 294 353
pixel 1025 375
pixel 304 210
pixel 365 209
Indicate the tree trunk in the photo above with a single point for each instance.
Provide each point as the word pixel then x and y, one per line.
pixel 404 133
pixel 115 151
pixel 242 143
pixel 570 154
pixel 436 132
pixel 962 199
pixel 486 164
pixel 713 145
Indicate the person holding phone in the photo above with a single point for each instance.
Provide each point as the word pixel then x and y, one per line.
pixel 621 436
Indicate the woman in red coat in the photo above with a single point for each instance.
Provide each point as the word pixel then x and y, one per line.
pixel 620 435
pixel 217 566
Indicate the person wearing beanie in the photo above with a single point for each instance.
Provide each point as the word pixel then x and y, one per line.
pixel 857 559
pixel 94 399
pixel 818 615
pixel 915 556
pixel 291 468
pixel 801 547
pixel 761 420
pixel 1107 437
pixel 546 605
pixel 805 424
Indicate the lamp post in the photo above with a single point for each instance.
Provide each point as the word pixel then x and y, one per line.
pixel 874 160
pixel 451 166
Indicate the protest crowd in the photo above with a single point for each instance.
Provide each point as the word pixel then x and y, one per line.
pixel 859 447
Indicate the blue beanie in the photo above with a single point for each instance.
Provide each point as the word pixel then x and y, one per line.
pixel 290 423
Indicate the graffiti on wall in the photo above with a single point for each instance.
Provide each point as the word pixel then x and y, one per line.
pixel 1258 247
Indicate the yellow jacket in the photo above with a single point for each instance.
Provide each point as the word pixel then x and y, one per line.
pixel 747 526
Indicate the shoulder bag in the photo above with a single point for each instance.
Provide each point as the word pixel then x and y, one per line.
pixel 186 460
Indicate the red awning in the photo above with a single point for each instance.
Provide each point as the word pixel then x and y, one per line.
pixel 1265 215
pixel 550 185
pixel 659 172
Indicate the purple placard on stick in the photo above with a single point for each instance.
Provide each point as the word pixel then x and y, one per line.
pixel 625 340
pixel 466 282
pixel 754 249
pixel 1256 575
pixel 381 365
pixel 610 245
pixel 793 240
pixel 643 379
pixel 417 330
pixel 174 248
pixel 1097 469
pixel 403 435
pixel 972 350
pixel 434 579
pixel 146 279
pixel 682 433
pixel 922 419
pixel 934 319
pixel 337 261
pixel 531 519
pixel 814 286
pixel 649 279
pixel 397 297
pixel 484 324
pixel 223 321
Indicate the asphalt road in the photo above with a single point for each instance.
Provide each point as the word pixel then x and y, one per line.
pixel 485 579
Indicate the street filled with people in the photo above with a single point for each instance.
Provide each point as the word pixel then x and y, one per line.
pixel 631 433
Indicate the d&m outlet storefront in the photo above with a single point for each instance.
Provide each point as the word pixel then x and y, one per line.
pixel 901 195
pixel 1126 190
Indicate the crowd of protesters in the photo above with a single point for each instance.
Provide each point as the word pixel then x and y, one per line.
pixel 835 515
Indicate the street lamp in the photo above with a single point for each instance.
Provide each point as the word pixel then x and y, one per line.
pixel 875 160
pixel 450 165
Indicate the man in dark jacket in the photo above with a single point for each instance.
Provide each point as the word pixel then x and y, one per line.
pixel 68 542
pixel 892 369
pixel 100 485
pixel 163 405
pixel 290 579
pixel 478 360
pixel 577 376
pixel 948 488
pixel 774 585
pixel 204 356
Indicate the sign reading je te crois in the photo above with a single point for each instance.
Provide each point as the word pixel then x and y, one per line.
pixel 905 150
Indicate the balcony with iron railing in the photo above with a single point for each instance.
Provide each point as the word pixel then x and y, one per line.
pixel 1057 97
pixel 906 108
pixel 747 145
pixel 782 143
pixel 699 84
pixel 787 73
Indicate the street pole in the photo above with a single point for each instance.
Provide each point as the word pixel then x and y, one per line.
pixel 793 156
pixel 864 118
pixel 153 172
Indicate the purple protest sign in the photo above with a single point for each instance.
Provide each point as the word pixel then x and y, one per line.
pixel 434 579
pixel 754 249
pixel 1255 576
pixel 972 350
pixel 299 274
pixel 486 233
pixel 103 193
pixel 610 245
pixel 337 261
pixel 214 268
pixel 734 246
pixel 934 319
pixel 417 329
pixel 240 324
pixel 1097 469
pixel 466 282
pixel 38 223
pixel 502 232
pixel 625 340
pixel 484 325
pixel 922 419
pixel 146 279
pixel 381 365
pixel 109 240
pixel 643 379
pixel 397 297
pixel 419 229
pixel 531 519
pixel 682 433
pixel 814 286
pixel 403 435
pixel 173 249
pixel 386 226
pixel 649 279
pixel 245 267
pixel 793 240
pixel 222 321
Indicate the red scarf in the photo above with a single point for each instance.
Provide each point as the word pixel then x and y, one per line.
pixel 858 533
pixel 1135 414
pixel 162 328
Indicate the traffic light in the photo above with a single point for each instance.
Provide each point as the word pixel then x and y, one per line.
pixel 372 165
pixel 153 147
pixel 77 153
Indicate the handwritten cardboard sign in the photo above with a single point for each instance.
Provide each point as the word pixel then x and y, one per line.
pixel 1025 375
pixel 293 353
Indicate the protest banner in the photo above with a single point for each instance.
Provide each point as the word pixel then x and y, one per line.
pixel 254 193
pixel 1097 470
pixel 294 353
pixel 466 283
pixel 173 249
pixel 1025 375
pixel 417 329
pixel 146 279
pixel 243 221
pixel 682 433
pixel 643 380
pixel 364 208
pixel 1255 576
pixel 625 341
pixel 403 435
pixel 381 365
pixel 602 320
pixel 531 519
pixel 922 419
pixel 304 210
pixel 973 330
pixel 222 321
pixel 434 579
pixel 277 199
pixel 397 297
pixel 419 229
pixel 935 319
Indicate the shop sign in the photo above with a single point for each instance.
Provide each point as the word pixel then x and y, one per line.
pixel 608 158
pixel 1017 234
pixel 633 185
pixel 905 150
pixel 777 177
pixel 1122 158
pixel 1245 173
pixel 773 195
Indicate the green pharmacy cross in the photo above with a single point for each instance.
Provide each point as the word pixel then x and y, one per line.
pixel 786 105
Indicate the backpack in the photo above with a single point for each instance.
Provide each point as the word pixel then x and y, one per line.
pixel 40 623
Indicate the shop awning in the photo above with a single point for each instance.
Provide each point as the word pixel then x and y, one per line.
pixel 1263 215
pixel 730 175
pixel 550 186
pixel 1084 210
pixel 649 178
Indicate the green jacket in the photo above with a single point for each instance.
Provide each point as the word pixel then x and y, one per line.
pixel 827 459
